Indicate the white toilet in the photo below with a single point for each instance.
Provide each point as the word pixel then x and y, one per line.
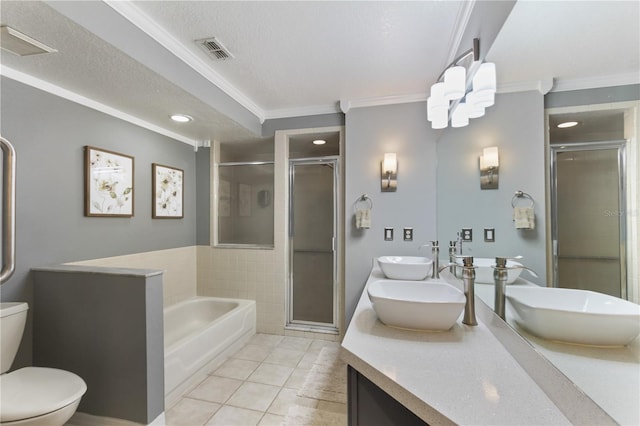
pixel 33 396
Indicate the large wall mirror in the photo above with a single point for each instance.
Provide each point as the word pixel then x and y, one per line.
pixel 583 182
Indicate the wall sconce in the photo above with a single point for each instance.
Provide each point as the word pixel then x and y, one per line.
pixel 389 172
pixel 489 165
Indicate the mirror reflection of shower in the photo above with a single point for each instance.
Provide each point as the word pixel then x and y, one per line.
pixel 590 236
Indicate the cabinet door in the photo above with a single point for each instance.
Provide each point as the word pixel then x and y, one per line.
pixel 370 405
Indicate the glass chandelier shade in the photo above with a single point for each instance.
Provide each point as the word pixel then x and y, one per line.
pixel 455 83
pixel 484 82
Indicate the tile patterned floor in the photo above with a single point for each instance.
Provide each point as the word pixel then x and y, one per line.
pixel 258 385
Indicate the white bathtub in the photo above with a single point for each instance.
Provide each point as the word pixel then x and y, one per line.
pixel 199 334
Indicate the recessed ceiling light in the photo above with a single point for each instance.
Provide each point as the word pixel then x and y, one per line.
pixel 567 124
pixel 319 142
pixel 181 118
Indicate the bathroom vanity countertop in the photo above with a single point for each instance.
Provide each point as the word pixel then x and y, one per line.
pixel 461 376
pixel 609 376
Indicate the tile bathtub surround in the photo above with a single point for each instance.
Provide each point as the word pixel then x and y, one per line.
pixel 179 279
pixel 272 380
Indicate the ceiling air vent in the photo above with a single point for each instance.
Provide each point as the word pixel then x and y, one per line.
pixel 21 44
pixel 214 48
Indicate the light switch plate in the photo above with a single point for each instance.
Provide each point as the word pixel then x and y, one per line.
pixel 489 235
pixel 388 234
pixel 467 235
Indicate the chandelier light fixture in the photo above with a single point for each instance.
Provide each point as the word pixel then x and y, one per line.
pixel 464 89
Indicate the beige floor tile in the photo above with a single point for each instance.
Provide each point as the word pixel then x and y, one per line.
pixel 253 352
pixel 191 412
pixel 271 374
pixel 262 339
pixel 297 378
pixel 318 344
pixel 215 389
pixel 334 407
pixel 232 416
pixel 271 420
pixel 295 343
pixel 254 396
pixel 282 356
pixel 236 368
pixel 308 359
pixel 288 397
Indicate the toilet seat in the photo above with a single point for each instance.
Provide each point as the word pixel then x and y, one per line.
pixel 36 391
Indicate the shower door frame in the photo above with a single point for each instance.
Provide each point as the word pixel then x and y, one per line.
pixel 620 146
pixel 311 325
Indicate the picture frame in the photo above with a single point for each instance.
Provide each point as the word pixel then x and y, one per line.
pixel 108 183
pixel 167 192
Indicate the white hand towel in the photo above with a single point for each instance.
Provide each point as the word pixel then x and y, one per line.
pixel 363 218
pixel 524 218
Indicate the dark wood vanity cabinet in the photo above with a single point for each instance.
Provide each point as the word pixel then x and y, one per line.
pixel 369 405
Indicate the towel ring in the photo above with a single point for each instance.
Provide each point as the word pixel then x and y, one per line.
pixel 520 194
pixel 364 198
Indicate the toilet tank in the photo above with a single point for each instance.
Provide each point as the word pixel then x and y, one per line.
pixel 13 316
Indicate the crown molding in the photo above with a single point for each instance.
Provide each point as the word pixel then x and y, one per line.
pixel 138 18
pixel 563 85
pixel 384 100
pixel 462 19
pixel 302 111
pixel 89 103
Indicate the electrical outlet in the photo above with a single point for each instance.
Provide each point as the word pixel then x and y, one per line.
pixel 408 234
pixel 467 235
pixel 489 235
pixel 388 234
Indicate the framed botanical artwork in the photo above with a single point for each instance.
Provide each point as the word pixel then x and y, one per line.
pixel 168 192
pixel 108 183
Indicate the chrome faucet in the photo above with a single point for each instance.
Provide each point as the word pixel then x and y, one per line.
pixel 468 280
pixel 452 257
pixel 500 281
pixel 435 250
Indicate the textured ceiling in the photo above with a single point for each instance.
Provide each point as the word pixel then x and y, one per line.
pixel 297 54
pixel 577 43
pixel 299 58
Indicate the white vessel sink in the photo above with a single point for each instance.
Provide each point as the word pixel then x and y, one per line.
pixel 484 271
pixel 405 267
pixel 575 316
pixel 418 305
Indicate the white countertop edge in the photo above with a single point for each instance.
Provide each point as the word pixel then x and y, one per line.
pixel 417 406
pixel 426 410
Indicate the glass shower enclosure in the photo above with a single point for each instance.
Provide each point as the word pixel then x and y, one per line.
pixel 313 216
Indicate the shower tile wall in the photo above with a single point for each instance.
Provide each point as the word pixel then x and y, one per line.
pixel 252 273
pixel 246 274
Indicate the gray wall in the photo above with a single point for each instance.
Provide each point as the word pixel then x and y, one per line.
pixel 370 132
pixel 120 357
pixel 599 95
pixel 49 133
pixel 269 127
pixel 515 124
